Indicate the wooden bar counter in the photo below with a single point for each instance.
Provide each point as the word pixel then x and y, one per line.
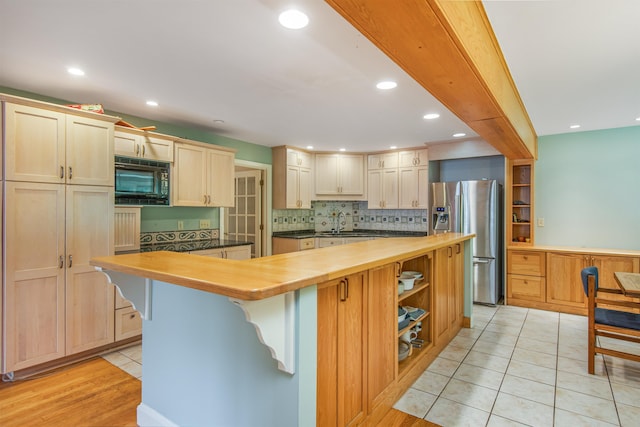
pixel 213 327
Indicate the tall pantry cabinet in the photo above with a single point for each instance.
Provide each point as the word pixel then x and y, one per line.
pixel 58 203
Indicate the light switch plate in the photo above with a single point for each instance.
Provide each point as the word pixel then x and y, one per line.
pixel 205 223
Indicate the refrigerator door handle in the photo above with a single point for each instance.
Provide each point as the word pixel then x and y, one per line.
pixel 482 261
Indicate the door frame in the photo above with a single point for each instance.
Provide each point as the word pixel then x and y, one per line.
pixel 266 203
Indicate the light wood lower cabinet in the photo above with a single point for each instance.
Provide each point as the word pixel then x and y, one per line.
pixel 127 228
pixel 359 374
pixel 283 245
pixel 341 385
pixel 56 303
pixel 550 280
pixel 228 252
pixel 382 331
pixel 448 292
pixel 526 276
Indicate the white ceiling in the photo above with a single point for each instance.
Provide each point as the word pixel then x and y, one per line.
pixel 574 62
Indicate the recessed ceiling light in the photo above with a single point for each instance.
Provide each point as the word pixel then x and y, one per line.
pixel 218 121
pixel 309 147
pixel 638 119
pixel 393 147
pixel 75 71
pixel 385 85
pixel 293 19
pixel 574 126
pixel 459 135
pixel 343 149
pixel 152 103
pixel 431 116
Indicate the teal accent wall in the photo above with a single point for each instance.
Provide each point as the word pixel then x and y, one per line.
pixel 166 219
pixel 587 189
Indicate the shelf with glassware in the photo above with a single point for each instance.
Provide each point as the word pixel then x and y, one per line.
pixel 414 332
pixel 520 202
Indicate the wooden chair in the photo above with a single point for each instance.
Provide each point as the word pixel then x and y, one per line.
pixel 607 322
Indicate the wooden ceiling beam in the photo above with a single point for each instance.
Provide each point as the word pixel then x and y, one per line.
pixel 450 49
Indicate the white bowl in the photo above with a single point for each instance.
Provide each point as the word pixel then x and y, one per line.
pixel 407 280
pixel 402 314
pixel 400 287
pixel 415 274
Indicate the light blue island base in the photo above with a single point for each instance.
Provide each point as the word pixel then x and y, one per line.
pixel 203 364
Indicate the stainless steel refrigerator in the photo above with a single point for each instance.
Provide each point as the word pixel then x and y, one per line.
pixel 473 207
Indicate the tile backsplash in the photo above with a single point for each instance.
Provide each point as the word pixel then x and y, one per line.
pixel 152 237
pixel 324 215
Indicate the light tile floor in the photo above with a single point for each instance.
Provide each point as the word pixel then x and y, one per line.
pixel 128 359
pixel 520 366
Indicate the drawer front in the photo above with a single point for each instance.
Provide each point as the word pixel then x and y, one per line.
pixel 526 263
pixel 526 287
pixel 128 323
pixel 324 242
pixel 305 244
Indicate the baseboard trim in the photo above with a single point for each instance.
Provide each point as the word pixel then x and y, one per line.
pixel 149 417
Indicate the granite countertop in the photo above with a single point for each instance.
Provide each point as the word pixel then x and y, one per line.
pixel 306 234
pixel 191 245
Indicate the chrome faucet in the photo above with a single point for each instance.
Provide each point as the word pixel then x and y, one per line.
pixel 338 227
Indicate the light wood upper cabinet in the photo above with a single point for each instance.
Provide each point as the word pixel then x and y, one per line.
pixel 148 145
pixel 89 147
pixel 382 161
pixel 189 179
pixel 292 179
pixel 414 187
pixel 202 176
pixel 413 158
pixel 339 174
pixel 34 144
pixel 398 180
pixel 54 147
pixel 221 178
pixel 382 188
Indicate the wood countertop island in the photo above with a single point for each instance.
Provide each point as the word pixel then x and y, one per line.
pixel 265 277
pixel 300 339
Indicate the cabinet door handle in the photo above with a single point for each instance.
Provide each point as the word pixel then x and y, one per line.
pixel 204 199
pixel 143 150
pixel 457 248
pixel 209 199
pixel 343 290
pixel 137 149
pixel 525 258
pixel 70 172
pixel 132 316
pixel 450 251
pixel 70 261
pixel 61 172
pixel 61 262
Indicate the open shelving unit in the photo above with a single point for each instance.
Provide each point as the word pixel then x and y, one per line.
pixel 420 296
pixel 520 204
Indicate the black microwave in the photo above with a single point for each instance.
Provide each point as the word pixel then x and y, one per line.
pixel 141 182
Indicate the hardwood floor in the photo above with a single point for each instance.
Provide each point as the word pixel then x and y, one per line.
pixel 90 393
pixel 95 393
